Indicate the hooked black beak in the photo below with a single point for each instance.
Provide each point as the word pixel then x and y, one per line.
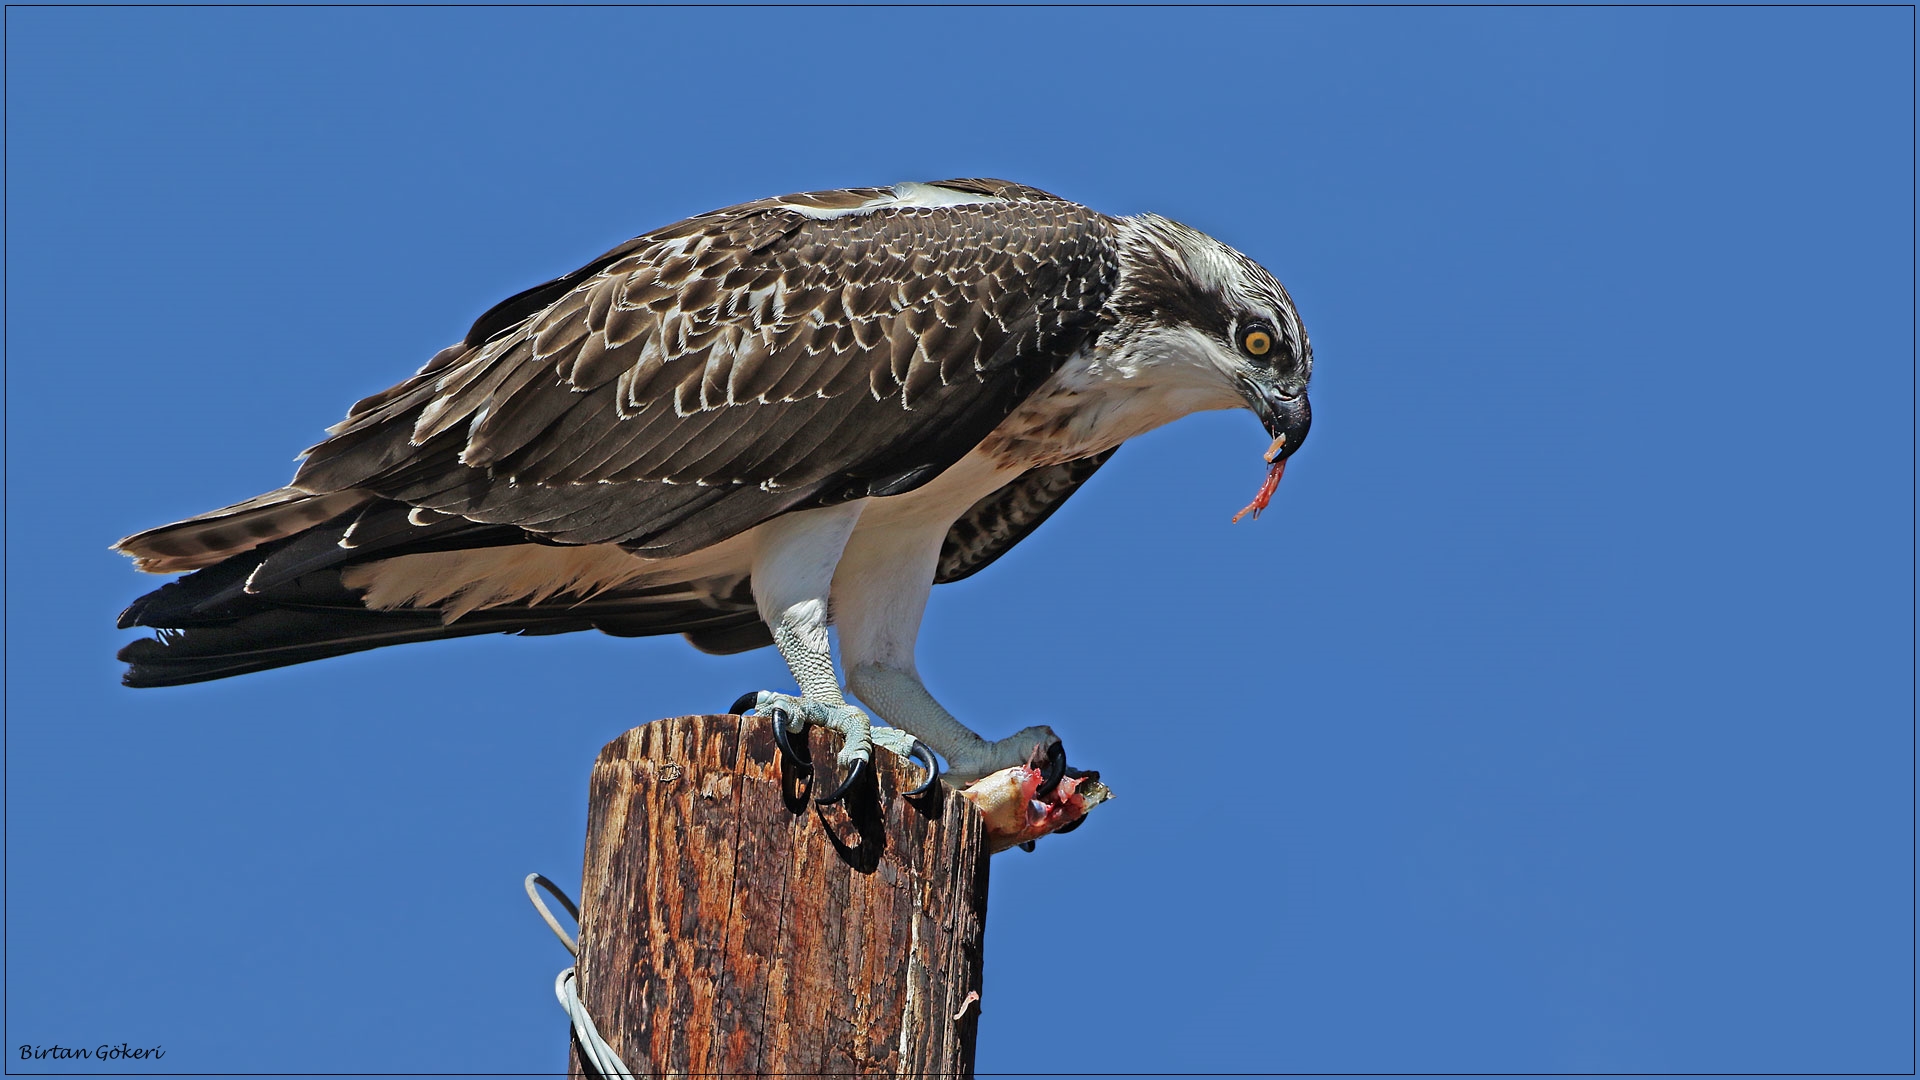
pixel 1286 418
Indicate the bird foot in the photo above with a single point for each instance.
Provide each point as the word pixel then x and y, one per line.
pixel 1020 748
pixel 906 746
pixel 791 715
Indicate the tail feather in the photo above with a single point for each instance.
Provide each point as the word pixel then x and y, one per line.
pixel 386 528
pixel 209 538
pixel 274 636
pixel 285 600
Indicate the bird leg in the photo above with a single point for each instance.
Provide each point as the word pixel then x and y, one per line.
pixel 792 572
pixel 879 595
pixel 899 697
pixel 800 633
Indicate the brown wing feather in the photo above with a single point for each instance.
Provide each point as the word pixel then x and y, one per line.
pixel 1004 518
pixel 709 375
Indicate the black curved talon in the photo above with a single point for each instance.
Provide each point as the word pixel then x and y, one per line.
pixel 746 703
pixel 925 757
pixel 1071 825
pixel 1052 772
pixel 802 763
pixel 1027 846
pixel 853 777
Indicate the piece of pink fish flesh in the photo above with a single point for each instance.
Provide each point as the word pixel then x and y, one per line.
pixel 1016 814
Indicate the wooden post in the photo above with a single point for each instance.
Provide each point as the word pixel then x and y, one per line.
pixel 729 926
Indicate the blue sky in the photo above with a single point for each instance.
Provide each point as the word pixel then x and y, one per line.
pixel 1558 716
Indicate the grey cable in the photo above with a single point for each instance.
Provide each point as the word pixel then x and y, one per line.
pixel 594 1051
pixel 539 905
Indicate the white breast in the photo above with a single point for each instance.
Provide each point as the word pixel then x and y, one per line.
pixel 1100 399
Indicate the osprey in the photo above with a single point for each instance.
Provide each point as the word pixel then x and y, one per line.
pixel 742 428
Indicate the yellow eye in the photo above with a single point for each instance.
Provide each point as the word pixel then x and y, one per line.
pixel 1257 342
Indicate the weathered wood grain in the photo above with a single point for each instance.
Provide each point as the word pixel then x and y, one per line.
pixel 729 927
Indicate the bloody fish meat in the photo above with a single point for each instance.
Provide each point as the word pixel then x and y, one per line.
pixel 1265 494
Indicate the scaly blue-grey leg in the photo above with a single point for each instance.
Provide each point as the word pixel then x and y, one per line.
pixel 879 595
pixel 793 566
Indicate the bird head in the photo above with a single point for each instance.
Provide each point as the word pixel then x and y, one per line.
pixel 1187 301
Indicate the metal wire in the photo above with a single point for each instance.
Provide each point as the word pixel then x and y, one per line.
pixel 594 1051
pixel 540 905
